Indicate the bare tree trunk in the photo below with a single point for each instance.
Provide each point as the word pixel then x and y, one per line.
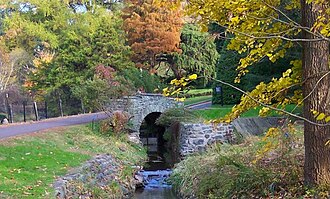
pixel 315 64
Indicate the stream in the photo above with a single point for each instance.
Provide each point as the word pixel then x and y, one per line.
pixel 155 176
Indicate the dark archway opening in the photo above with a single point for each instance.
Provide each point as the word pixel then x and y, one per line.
pixel 152 137
pixel 157 169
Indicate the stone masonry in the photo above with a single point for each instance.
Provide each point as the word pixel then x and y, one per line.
pixel 141 105
pixel 195 137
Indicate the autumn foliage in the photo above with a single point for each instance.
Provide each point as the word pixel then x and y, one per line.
pixel 153 28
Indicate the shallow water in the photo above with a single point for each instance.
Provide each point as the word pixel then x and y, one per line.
pixel 156 193
pixel 155 181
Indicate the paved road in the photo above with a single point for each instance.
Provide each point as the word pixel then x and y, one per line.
pixel 23 128
pixel 202 105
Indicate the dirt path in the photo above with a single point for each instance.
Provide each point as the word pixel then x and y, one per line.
pixel 24 128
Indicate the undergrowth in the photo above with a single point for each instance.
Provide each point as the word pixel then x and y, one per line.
pixel 260 167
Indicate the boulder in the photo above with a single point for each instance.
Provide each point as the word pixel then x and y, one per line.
pixel 4 121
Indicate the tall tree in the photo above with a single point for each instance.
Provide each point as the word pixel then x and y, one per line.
pixel 12 66
pixel 266 29
pixel 67 46
pixel 199 54
pixel 316 90
pixel 153 28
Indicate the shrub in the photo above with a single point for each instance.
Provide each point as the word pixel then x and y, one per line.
pixel 2 116
pixel 117 123
pixel 174 115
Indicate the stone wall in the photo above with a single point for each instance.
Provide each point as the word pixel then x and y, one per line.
pixel 195 137
pixel 101 172
pixel 255 125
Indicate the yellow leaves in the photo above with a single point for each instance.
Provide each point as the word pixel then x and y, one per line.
pixel 320 116
pixel 287 73
pixel 264 111
pixel 325 31
pixel 241 10
pixel 271 142
pixel 172 5
pixel 277 141
pixel 192 77
pixel 322 25
pixel 235 20
pixel 273 94
pixel 178 87
pixel 177 91
pixel 166 92
pixel 182 99
pixel 327 119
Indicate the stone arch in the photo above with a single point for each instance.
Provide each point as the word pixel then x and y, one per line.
pixel 149 128
pixel 144 104
pixel 148 112
pixel 141 105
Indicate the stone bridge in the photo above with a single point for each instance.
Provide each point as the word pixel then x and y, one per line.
pixel 143 104
pixel 192 137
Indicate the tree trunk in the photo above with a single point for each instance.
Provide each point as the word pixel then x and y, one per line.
pixel 315 61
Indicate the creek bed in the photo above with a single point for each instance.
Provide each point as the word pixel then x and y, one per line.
pixel 155 178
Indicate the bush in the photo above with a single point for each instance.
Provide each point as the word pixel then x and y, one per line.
pixel 2 116
pixel 116 124
pixel 174 115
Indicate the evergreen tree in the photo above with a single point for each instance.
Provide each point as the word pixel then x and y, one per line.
pixel 199 54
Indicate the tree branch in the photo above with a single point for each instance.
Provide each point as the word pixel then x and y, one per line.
pixel 312 91
pixel 268 106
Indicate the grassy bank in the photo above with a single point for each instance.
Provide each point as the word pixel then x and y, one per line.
pixel 260 167
pixel 30 164
pixel 198 99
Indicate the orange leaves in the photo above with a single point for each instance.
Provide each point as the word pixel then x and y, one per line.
pixel 152 28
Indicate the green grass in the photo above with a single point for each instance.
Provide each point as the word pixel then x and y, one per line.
pixel 214 112
pixel 199 91
pixel 30 164
pixel 217 111
pixel 198 99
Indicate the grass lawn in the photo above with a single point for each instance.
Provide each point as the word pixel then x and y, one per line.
pixel 30 164
pixel 198 99
pixel 218 111
pixel 214 112
pixel 199 91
